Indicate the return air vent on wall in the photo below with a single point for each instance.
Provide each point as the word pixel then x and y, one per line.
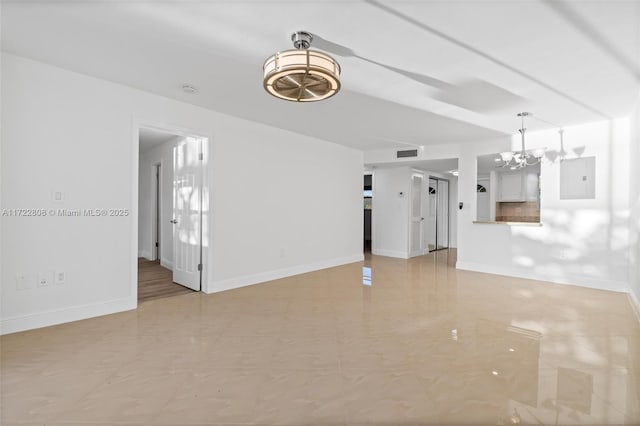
pixel 407 153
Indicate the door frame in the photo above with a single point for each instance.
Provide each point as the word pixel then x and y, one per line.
pixel 435 247
pixel 156 209
pixel 372 174
pixel 206 251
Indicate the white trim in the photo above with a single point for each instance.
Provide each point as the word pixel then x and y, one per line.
pixel 390 253
pixel 167 263
pixel 242 281
pixel 156 209
pixel 582 281
pixel 137 124
pixel 135 183
pixel 635 304
pixel 72 313
pixel 145 254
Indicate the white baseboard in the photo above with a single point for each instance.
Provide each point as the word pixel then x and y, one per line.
pixel 60 316
pixel 635 304
pixel 390 253
pixel 145 254
pixel 590 282
pixel 166 263
pixel 242 281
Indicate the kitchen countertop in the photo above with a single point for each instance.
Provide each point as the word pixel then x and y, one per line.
pixel 508 223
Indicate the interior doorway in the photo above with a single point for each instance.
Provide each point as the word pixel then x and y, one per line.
pixel 156 215
pixel 438 217
pixel 368 203
pixel 417 229
pixel 170 212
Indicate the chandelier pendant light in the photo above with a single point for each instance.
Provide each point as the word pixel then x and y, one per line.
pixel 301 74
pixel 523 158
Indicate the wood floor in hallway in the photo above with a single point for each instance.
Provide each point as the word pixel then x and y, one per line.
pixel 156 282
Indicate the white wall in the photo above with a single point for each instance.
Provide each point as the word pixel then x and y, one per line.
pixel 390 211
pixel 282 203
pixel 149 158
pixel 634 202
pixel 391 218
pixel 580 242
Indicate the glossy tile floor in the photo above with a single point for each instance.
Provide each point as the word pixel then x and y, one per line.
pixel 413 343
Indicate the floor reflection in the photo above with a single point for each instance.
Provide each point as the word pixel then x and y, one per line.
pixel 366 276
pixel 426 345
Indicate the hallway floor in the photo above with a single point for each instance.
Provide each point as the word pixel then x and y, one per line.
pixel 421 343
pixel 156 282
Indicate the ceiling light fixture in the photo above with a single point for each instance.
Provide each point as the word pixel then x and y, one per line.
pixel 523 158
pixel 301 74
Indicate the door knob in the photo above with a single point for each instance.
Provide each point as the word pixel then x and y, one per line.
pixel 174 221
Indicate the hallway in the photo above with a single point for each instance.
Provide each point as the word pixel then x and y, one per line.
pixel 156 282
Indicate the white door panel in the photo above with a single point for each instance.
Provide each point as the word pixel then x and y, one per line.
pixel 442 218
pixel 187 208
pixel 433 207
pixel 417 234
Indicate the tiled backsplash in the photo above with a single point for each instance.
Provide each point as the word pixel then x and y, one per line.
pixel 526 211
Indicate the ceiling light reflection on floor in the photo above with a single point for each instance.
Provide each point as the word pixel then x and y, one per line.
pixel 366 276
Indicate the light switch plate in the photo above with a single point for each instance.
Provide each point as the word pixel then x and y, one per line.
pixel 59 277
pixel 57 196
pixel 22 282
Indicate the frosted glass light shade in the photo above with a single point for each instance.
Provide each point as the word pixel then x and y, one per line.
pixel 539 152
pixel 506 156
pixel 301 75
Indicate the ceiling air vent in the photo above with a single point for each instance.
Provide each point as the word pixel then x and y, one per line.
pixel 407 153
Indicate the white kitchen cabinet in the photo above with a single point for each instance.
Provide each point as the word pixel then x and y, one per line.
pixel 521 185
pixel 532 186
pixel 511 187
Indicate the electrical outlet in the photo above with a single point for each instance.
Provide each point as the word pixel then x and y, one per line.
pixel 22 282
pixel 59 277
pixel 43 280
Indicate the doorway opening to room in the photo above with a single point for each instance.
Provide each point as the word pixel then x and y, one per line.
pixel 438 216
pixel 368 204
pixel 171 208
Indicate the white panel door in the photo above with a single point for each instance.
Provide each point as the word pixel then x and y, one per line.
pixel 482 212
pixel 416 233
pixel 442 219
pixel 187 212
pixel 433 209
pixel 483 202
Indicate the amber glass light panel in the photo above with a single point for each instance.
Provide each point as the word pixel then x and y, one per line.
pixel 301 75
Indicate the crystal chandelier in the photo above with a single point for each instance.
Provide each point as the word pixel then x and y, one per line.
pixel 301 74
pixel 523 158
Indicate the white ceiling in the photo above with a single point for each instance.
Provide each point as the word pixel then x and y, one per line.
pixel 487 163
pixel 414 73
pixel 149 138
